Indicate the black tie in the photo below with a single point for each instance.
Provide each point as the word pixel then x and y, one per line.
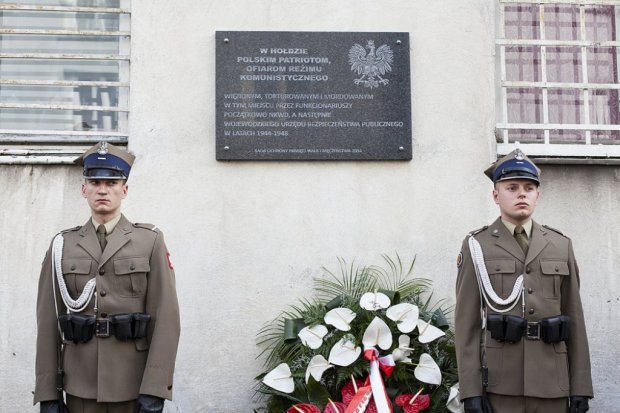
pixel 101 236
pixel 521 238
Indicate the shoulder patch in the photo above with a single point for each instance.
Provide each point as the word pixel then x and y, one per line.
pixel 145 226
pixel 479 230
pixel 554 230
pixel 459 260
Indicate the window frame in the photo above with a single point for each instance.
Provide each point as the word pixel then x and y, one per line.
pixel 63 146
pixel 583 153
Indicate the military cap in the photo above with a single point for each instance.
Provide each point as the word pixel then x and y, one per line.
pixel 106 161
pixel 515 165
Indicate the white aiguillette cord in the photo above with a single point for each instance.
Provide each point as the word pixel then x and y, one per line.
pixel 82 301
pixel 484 283
pixel 488 294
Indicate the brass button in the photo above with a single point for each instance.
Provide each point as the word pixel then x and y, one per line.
pixel 531 311
pixel 104 315
pixel 102 293
pixel 101 271
pixel 132 267
pixel 557 268
pixel 73 267
pixel 497 268
pixel 528 270
pixel 530 291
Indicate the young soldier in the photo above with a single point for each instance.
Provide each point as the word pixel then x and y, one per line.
pixel 520 331
pixel 109 287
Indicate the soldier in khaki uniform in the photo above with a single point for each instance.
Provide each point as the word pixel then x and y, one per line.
pixel 525 279
pixel 109 286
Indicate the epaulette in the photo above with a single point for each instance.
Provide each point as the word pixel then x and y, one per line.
pixel 475 232
pixel 71 229
pixel 146 226
pixel 554 230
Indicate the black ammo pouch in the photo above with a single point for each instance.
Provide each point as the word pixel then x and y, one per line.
pixel 511 328
pixel 76 327
pixel 81 328
pixel 123 326
pixel 555 329
pixel 508 328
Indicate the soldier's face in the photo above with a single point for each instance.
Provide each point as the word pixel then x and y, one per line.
pixel 517 199
pixel 104 196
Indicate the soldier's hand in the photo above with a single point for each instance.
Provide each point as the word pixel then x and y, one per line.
pixel 473 405
pixel 149 404
pixel 579 404
pixel 477 405
pixel 51 406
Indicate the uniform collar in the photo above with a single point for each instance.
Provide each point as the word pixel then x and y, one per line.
pixel 511 227
pixel 116 240
pixel 505 240
pixel 109 226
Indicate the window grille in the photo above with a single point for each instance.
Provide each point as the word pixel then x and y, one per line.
pixel 558 68
pixel 64 77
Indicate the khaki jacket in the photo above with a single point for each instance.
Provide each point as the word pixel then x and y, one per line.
pixel 551 287
pixel 133 274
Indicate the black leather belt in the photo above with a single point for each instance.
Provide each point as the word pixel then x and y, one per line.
pixel 82 328
pixel 511 328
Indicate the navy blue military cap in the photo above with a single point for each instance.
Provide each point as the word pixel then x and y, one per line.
pixel 106 161
pixel 515 165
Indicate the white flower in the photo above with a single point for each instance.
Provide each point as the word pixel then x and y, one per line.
pixel 428 332
pixel 405 316
pixel 317 367
pixel 313 336
pixel 374 301
pixel 453 404
pixel 344 352
pixel 402 352
pixel 340 318
pixel 377 333
pixel 427 370
pixel 280 379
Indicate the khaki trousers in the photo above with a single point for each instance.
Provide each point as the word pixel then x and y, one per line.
pixel 79 405
pixel 522 404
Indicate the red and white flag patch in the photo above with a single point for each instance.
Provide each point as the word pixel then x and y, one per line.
pixel 169 261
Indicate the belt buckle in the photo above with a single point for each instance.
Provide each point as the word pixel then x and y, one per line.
pixel 102 327
pixel 533 331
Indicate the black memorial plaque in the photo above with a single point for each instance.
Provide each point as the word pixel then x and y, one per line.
pixel 312 96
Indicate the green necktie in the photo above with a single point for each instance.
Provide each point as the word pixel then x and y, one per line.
pixel 521 238
pixel 101 236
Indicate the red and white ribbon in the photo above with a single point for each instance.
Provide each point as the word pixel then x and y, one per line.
pixel 374 384
pixel 360 401
pixel 378 364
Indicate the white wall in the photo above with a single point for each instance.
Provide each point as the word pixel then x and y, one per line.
pixel 247 237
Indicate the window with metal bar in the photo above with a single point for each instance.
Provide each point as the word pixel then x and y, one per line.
pixel 559 79
pixel 64 77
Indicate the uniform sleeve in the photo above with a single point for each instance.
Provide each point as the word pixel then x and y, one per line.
pixel 577 344
pixel 164 329
pixel 467 327
pixel 46 363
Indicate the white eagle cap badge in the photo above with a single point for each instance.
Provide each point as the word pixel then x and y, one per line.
pixel 519 156
pixel 103 148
